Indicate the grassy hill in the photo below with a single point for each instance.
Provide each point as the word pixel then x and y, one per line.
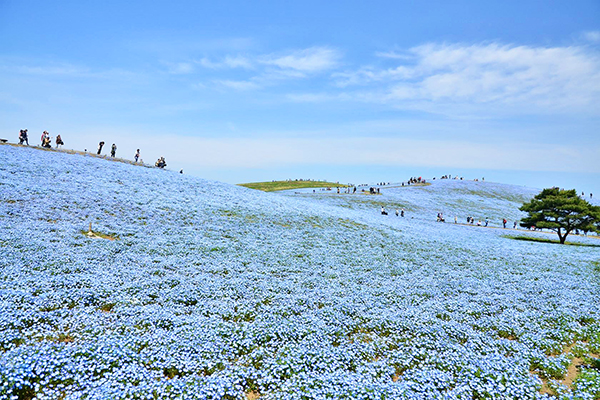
pixel 214 291
pixel 274 186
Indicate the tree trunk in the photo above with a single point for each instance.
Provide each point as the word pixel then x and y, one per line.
pixel 561 237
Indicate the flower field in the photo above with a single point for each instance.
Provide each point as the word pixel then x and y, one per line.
pixel 213 291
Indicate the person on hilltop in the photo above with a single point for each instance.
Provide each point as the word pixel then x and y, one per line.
pixel 23 137
pixel 137 155
pixel 45 134
pixel 59 141
pixel 504 222
pixel 100 147
pixel 47 141
pixel 402 212
pixel 383 212
pixel 397 212
pixel 113 150
pixel 160 163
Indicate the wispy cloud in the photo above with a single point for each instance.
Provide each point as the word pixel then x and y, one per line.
pixel 313 59
pixel 180 68
pixel 227 62
pixel 59 70
pixel 394 55
pixel 272 69
pixel 519 77
pixel 592 36
pixel 238 85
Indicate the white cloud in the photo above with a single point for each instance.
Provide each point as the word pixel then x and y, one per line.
pixel 227 62
pixel 313 59
pixel 269 70
pixel 519 77
pixel 238 85
pixel 180 68
pixel 294 64
pixel 394 55
pixel 592 36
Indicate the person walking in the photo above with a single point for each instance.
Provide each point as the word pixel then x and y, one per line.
pixel 113 150
pixel 504 223
pixel 137 155
pixel 100 147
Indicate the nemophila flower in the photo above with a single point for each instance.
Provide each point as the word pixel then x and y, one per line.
pixel 213 291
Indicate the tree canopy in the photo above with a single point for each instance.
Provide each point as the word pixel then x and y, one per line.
pixel 561 211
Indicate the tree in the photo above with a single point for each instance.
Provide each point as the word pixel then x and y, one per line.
pixel 561 211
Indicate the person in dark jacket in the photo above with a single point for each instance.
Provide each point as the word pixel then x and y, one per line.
pixel 23 137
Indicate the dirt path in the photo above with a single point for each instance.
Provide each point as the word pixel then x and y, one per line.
pixel 522 230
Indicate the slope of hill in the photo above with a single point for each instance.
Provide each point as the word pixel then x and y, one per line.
pixel 216 291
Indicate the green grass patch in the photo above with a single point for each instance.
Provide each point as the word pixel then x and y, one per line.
pixel 288 185
pixel 552 241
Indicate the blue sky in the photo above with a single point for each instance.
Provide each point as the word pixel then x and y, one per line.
pixel 349 91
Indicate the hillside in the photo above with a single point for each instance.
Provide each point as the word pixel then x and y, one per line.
pixel 214 291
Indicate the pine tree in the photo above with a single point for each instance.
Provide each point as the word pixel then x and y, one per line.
pixel 561 211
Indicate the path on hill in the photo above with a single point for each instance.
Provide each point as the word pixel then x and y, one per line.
pixel 522 230
pixel 83 153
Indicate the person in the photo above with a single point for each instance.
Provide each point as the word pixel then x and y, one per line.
pixel 47 143
pixel 23 137
pixel 100 147
pixel 455 219
pixel 504 222
pixel 487 221
pixel 478 222
pixel 397 212
pixel 181 172
pixel 137 155
pixel 515 225
pixel 383 212
pixel 59 141
pixel 402 212
pixel 160 163
pixel 113 150
pixel 45 134
pixel 590 193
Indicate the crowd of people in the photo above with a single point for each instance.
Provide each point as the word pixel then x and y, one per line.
pixel 413 180
pixel 46 142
